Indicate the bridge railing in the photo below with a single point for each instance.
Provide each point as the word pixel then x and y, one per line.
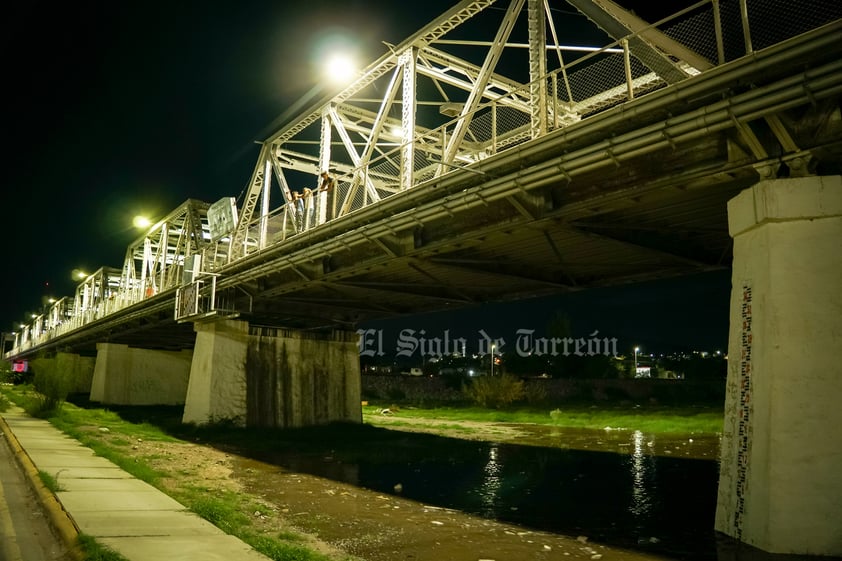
pixel 41 331
pixel 718 31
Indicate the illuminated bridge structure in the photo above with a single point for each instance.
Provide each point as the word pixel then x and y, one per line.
pixel 485 158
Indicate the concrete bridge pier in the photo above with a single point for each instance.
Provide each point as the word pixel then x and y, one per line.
pixel 780 486
pixel 272 377
pixel 126 375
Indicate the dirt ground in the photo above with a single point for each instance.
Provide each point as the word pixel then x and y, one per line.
pixel 348 522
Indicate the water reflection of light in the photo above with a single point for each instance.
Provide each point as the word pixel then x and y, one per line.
pixel 492 481
pixel 641 464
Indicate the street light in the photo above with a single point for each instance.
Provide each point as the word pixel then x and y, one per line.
pixel 636 350
pixel 340 68
pixel 141 222
pixel 492 359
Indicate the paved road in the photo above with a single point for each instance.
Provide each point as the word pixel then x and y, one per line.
pixel 25 531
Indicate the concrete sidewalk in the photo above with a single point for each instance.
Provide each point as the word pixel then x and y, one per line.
pixel 101 500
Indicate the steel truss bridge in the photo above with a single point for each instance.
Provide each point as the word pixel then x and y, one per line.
pixel 486 158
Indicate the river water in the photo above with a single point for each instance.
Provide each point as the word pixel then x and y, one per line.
pixel 618 488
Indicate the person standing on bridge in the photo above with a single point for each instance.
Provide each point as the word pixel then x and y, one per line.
pixel 327 188
pixel 309 205
pixel 298 209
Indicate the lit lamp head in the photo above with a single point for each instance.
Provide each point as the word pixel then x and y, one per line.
pixel 141 222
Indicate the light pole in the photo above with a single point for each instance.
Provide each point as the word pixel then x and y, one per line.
pixel 636 350
pixel 492 359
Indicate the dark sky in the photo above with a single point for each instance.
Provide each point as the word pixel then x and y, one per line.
pixel 114 109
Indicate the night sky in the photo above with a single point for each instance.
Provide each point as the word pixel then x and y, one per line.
pixel 118 109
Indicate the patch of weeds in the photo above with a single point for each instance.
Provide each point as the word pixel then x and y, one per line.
pixel 220 513
pixel 95 551
pixel 280 551
pixel 51 482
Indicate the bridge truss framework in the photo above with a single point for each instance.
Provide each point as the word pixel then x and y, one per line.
pixel 482 159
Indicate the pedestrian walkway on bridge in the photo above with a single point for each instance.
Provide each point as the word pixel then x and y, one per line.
pixel 100 500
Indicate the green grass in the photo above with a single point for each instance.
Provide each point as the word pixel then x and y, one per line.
pixel 654 419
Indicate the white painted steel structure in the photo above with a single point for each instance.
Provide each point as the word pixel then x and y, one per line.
pixel 474 84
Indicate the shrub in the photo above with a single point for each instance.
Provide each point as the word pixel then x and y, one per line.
pixel 494 391
pixel 52 381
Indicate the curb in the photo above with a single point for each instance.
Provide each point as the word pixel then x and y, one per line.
pixel 60 519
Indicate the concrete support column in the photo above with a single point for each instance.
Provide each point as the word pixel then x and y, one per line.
pixel 126 375
pixel 273 377
pixel 217 387
pixel 780 486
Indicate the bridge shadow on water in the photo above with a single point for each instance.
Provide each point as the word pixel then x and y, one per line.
pixel 655 504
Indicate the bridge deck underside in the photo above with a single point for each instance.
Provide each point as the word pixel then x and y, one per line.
pixel 557 238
